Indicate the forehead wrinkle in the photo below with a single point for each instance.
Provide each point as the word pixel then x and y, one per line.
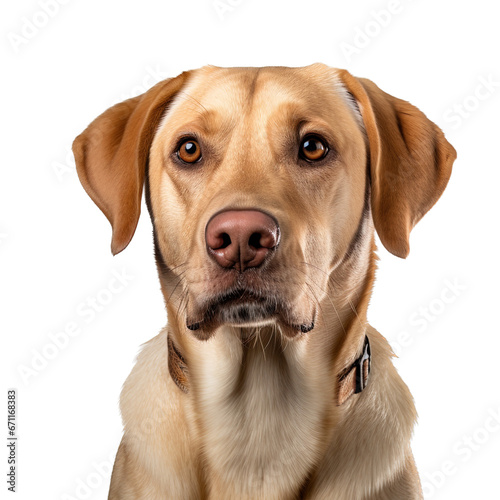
pixel 189 96
pixel 208 122
pixel 252 88
pixel 295 118
pixel 314 95
pixel 290 98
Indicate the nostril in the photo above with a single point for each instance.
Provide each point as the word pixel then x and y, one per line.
pixel 268 238
pixel 254 240
pixel 226 240
pixel 218 241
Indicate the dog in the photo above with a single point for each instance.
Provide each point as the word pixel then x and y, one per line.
pixel 265 187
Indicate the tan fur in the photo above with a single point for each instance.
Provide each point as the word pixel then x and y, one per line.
pixel 259 420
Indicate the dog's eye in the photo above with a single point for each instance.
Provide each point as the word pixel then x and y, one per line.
pixel 313 148
pixel 189 151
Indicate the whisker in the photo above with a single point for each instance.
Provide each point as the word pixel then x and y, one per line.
pixel 183 92
pixel 316 267
pixel 176 285
pixel 176 267
pixel 315 299
pixel 256 335
pixel 327 295
pixel 351 305
pixel 363 324
pixel 184 303
pixel 269 341
pixel 262 345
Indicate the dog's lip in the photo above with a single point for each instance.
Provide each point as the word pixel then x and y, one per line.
pixel 239 295
pixel 276 308
pixel 233 296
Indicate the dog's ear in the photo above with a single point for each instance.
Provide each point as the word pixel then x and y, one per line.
pixel 112 153
pixel 410 161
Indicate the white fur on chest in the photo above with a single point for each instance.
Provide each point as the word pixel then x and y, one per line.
pixel 260 414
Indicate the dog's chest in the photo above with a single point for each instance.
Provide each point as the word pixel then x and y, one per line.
pixel 261 420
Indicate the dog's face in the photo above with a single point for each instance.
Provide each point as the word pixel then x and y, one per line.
pixel 259 182
pixel 257 188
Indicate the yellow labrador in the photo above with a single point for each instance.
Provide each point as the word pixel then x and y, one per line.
pixel 265 186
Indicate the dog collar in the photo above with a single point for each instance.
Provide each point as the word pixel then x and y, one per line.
pixel 351 381
pixel 177 366
pixel 354 378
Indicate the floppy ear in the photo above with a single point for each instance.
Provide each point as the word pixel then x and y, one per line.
pixel 410 161
pixel 112 153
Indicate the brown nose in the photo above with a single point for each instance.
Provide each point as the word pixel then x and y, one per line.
pixel 241 238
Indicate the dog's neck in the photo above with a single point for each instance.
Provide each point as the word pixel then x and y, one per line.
pixel 268 395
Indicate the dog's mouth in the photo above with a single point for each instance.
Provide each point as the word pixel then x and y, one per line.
pixel 244 307
pixel 241 306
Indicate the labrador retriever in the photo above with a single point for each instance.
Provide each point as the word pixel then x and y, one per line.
pixel 265 187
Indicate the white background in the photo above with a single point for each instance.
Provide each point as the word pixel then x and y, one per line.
pixel 54 242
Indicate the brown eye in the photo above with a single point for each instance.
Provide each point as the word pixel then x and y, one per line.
pixel 313 148
pixel 189 151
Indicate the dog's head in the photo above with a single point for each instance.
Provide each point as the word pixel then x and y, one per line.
pixel 260 183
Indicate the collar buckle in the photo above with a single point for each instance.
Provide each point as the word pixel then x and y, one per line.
pixel 363 366
pixel 354 379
